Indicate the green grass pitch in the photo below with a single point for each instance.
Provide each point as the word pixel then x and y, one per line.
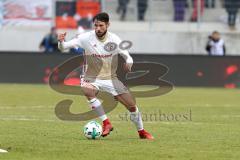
pixel 194 124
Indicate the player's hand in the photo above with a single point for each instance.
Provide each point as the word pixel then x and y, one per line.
pixel 127 67
pixel 61 36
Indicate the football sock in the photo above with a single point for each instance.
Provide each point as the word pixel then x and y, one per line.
pixel 136 118
pixel 97 106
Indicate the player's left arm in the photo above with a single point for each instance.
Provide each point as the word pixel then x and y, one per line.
pixel 125 54
pixel 128 60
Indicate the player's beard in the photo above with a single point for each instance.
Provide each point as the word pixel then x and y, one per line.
pixel 101 36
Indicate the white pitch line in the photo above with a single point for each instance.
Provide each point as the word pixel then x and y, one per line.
pixel 114 121
pixel 25 107
pixel 26 119
pixel 3 151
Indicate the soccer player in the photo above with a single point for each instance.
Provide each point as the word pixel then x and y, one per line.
pixel 100 74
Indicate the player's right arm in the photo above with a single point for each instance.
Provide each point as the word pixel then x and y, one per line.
pixel 63 45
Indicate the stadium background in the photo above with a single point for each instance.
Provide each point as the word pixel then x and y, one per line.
pixel 25 69
pixel 164 36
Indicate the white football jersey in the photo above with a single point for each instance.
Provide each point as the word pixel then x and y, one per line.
pixel 101 57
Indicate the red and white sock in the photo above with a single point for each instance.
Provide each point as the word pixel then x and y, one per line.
pixel 136 118
pixel 97 106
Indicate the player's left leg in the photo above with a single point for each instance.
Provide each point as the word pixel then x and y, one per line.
pixel 135 116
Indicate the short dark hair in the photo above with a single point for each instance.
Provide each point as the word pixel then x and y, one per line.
pixel 215 32
pixel 104 17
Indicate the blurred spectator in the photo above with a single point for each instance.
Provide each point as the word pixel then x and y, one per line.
pixel 78 51
pixel 210 3
pixel 122 8
pixel 85 22
pixel 142 7
pixel 1 14
pixel 216 45
pixel 50 42
pixel 179 9
pixel 232 7
pixel 195 9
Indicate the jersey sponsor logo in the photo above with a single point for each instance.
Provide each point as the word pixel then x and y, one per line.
pixel 102 56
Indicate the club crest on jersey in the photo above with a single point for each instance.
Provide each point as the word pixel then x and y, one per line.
pixel 110 46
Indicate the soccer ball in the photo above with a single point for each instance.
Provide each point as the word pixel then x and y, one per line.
pixel 92 130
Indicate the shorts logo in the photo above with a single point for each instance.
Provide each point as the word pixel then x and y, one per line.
pixel 87 81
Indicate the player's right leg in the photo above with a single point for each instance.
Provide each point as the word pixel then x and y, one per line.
pixel 90 92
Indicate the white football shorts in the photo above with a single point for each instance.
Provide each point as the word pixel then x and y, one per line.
pixel 113 86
